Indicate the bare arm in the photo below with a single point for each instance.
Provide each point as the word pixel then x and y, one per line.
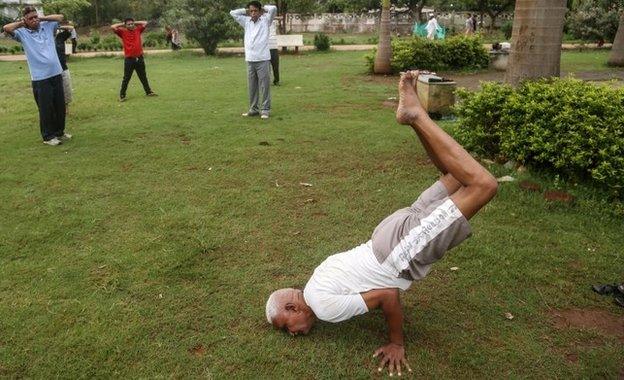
pixel 10 28
pixel 66 27
pixel 143 23
pixel 393 353
pixel 57 18
pixel 117 26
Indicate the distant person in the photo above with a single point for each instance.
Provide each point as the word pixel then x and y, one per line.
pixel 74 39
pixel 256 20
pixel 469 30
pixel 130 33
pixel 36 34
pixel 173 38
pixel 273 48
pixel 475 23
pixel 432 27
pixel 176 43
pixel 63 34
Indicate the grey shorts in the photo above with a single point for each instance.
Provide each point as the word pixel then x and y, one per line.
pixel 410 240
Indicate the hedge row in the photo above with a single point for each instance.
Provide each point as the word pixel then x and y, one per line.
pixel 570 127
pixel 454 53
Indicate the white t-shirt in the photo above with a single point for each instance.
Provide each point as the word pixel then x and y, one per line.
pixel 334 290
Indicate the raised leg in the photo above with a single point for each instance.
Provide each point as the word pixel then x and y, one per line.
pixel 478 186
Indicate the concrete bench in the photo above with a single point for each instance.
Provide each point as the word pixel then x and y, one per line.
pixel 289 40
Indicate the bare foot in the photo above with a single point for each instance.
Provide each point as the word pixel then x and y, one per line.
pixel 410 109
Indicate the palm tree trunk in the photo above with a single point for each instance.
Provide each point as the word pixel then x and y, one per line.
pixel 616 58
pixel 384 47
pixel 536 40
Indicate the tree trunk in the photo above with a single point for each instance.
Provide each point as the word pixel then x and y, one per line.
pixel 384 47
pixel 616 58
pixel 536 40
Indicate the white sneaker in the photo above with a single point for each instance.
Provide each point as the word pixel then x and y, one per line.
pixel 53 142
pixel 264 116
pixel 66 136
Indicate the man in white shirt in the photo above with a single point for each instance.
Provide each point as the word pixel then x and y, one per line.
pixel 274 53
pixel 256 21
pixel 401 249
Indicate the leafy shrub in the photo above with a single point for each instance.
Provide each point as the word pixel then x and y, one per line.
pixel 457 52
pixel 110 43
pixel 321 42
pixel 567 126
pixel 507 28
pixel 84 46
pixel 593 21
pixel 95 38
pixel 154 39
pixel 17 49
pixel 3 49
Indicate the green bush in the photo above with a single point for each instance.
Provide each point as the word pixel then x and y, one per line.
pixel 110 43
pixel 567 126
pixel 593 21
pixel 84 46
pixel 95 38
pixel 17 49
pixel 154 39
pixel 507 28
pixel 321 42
pixel 3 49
pixel 455 53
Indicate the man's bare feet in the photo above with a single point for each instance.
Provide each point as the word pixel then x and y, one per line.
pixel 410 109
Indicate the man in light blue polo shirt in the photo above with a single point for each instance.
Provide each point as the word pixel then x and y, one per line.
pixel 256 21
pixel 36 34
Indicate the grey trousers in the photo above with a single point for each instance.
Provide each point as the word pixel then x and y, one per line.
pixel 258 80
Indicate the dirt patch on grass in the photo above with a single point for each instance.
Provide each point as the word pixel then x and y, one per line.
pixel 600 320
pixel 197 350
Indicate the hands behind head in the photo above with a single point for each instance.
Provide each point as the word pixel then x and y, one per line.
pixel 393 356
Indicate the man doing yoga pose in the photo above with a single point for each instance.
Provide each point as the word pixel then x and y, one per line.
pixel 401 249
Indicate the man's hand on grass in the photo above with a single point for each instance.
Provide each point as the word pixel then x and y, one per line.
pixel 393 356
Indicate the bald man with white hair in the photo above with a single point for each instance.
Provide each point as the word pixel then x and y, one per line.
pixel 402 248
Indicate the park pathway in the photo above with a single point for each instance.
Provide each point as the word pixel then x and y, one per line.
pixel 240 50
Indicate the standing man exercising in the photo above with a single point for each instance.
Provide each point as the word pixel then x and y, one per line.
pixel 36 34
pixel 256 20
pixel 402 248
pixel 130 33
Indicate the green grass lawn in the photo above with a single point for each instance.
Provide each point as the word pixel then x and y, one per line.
pixel 146 246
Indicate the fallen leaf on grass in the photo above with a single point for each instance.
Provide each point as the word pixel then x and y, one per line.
pixel 454 268
pixel 305 184
pixel 310 200
pixel 509 316
pixel 558 196
pixel 530 186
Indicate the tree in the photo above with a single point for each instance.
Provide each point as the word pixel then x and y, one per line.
pixel 206 22
pixel 384 48
pixel 69 8
pixel 592 20
pixel 536 40
pixel 616 58
pixel 302 7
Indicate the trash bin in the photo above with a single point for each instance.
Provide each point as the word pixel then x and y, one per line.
pixel 436 94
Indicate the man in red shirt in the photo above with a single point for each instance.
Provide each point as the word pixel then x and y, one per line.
pixel 130 34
